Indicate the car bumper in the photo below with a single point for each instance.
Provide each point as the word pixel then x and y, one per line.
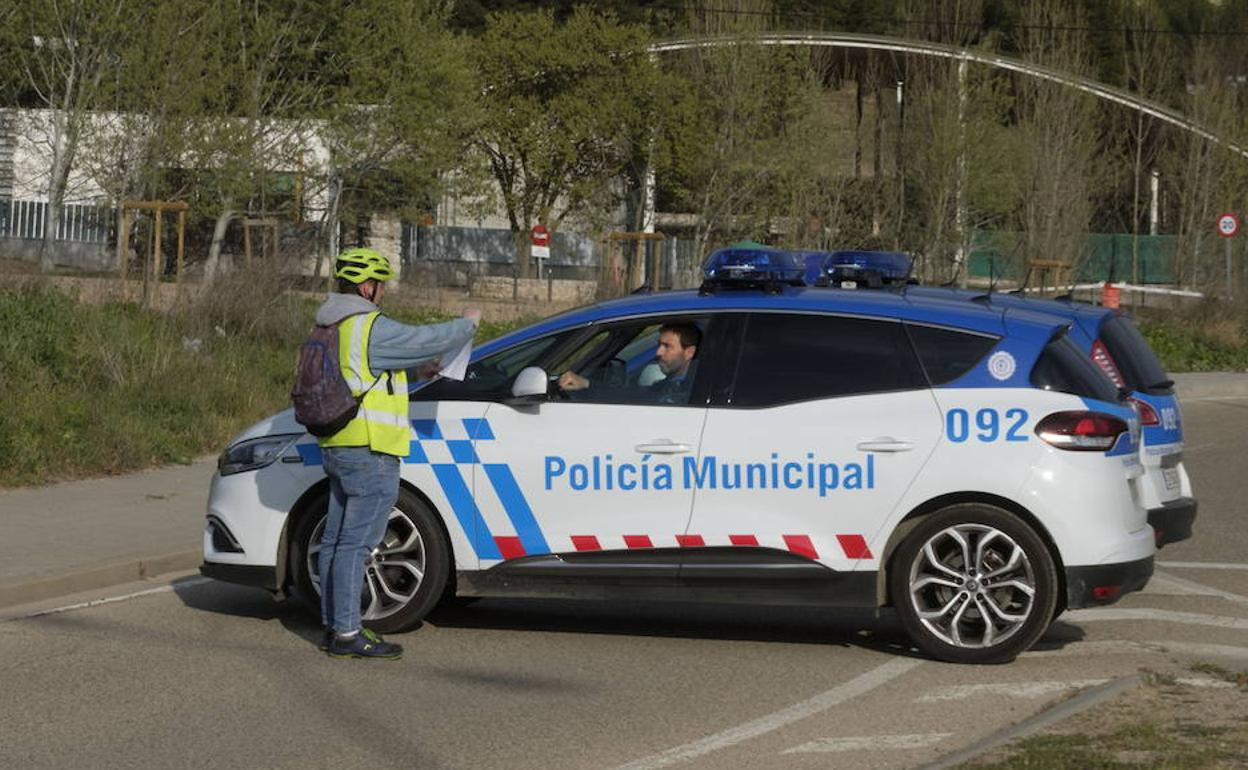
pixel 242 574
pixel 1172 521
pixel 1102 584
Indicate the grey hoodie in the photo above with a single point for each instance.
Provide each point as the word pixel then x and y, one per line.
pixel 393 345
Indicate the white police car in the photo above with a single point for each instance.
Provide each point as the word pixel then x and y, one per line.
pixel 967 465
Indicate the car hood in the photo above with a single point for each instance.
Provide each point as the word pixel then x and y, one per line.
pixel 282 422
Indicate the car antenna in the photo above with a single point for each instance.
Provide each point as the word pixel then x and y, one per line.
pixel 905 281
pixel 992 282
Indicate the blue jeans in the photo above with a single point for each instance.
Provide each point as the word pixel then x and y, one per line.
pixel 363 488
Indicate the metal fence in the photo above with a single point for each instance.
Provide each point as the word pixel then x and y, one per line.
pixel 28 220
pixel 461 256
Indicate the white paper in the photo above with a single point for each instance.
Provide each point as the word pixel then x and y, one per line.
pixel 458 365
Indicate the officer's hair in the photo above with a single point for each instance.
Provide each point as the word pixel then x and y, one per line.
pixel 349 287
pixel 690 335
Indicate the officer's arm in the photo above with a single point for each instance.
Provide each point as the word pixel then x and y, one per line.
pixel 393 345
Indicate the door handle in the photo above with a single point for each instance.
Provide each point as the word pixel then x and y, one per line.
pixel 663 447
pixel 885 444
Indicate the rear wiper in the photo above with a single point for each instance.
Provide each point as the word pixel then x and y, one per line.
pixel 1162 384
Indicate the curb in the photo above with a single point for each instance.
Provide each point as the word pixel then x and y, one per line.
pixel 1081 702
pixel 1210 385
pixel 92 578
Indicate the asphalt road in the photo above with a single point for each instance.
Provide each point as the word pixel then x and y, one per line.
pixel 201 674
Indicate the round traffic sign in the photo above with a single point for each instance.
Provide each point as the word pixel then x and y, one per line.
pixel 540 236
pixel 1228 225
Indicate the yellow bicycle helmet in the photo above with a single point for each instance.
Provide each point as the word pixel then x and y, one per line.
pixel 359 265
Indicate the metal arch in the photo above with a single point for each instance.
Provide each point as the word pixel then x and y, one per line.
pixel 882 43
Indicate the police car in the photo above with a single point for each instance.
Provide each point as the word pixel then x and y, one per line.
pixel 965 464
pixel 1109 338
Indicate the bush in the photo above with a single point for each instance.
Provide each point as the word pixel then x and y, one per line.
pixel 102 389
pixel 1211 336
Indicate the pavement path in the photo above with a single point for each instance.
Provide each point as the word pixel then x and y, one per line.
pixel 76 536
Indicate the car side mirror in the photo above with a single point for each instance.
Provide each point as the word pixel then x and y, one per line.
pixel 530 385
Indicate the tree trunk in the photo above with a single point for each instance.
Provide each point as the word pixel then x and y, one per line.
pixel 214 250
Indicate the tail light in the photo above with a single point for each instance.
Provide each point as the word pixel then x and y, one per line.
pixel 1148 415
pixel 1100 355
pixel 1081 431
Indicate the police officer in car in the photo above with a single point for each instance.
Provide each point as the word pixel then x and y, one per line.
pixel 678 347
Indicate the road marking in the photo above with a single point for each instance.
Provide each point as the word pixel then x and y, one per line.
pixel 859 685
pixel 1007 689
pixel 869 743
pixel 1190 618
pixel 1201 589
pixel 1200 565
pixel 1212 684
pixel 1153 647
pixel 110 599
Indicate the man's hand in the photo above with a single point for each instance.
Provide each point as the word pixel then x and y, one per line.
pixel 429 369
pixel 572 381
pixel 473 315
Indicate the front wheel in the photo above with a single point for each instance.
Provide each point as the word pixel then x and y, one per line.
pixel 973 584
pixel 404 576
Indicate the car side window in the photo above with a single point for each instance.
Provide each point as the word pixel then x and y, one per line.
pixel 948 354
pixel 490 378
pixel 786 358
pixel 618 364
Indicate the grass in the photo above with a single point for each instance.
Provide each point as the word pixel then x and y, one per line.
pixel 1209 337
pixel 1161 724
pixel 103 389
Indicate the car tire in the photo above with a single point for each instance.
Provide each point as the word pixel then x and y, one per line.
pixel 404 578
pixel 943 605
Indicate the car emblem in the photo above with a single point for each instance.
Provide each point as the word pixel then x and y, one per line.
pixel 1001 365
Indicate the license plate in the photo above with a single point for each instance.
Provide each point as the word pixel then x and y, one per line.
pixel 1171 476
pixel 849 284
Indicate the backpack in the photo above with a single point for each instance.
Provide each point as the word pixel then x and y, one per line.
pixel 323 401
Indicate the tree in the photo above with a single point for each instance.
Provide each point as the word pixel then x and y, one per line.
pixel 404 107
pixel 732 126
pixel 64 57
pixel 560 104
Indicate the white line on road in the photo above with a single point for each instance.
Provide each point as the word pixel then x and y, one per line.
pixel 111 599
pixel 1200 565
pixel 859 685
pixel 1007 689
pixel 1200 589
pixel 869 743
pixel 1190 618
pixel 1154 647
pixel 1202 681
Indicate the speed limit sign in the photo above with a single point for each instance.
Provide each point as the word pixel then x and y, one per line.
pixel 1228 225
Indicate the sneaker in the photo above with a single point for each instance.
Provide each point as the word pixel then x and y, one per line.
pixel 365 644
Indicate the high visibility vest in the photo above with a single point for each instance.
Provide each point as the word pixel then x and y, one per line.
pixel 382 423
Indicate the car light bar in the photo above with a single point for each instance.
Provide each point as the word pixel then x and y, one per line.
pixel 1081 431
pixel 754 266
pixel 859 269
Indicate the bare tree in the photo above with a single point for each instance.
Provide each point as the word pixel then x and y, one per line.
pixel 64 57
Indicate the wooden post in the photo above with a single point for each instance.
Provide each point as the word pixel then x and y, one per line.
pixel 156 264
pixel 247 243
pixel 123 240
pixel 181 242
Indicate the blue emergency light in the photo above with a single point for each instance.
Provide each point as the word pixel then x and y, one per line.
pixel 751 266
pixel 860 269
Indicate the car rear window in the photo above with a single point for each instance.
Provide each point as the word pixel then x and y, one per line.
pixel 947 354
pixel 1136 361
pixel 787 358
pixel 1065 368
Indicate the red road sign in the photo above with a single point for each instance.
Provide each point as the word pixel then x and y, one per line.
pixel 1228 225
pixel 540 235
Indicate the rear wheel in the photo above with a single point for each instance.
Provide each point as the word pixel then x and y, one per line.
pixel 973 583
pixel 404 576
